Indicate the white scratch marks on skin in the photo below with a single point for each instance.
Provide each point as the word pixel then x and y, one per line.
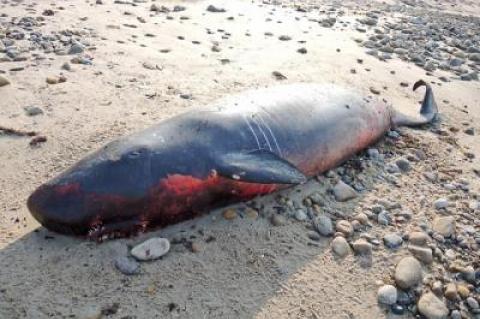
pixel 263 133
pixel 253 132
pixel 271 133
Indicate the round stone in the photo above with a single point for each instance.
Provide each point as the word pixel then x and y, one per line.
pixel 387 295
pixel 340 246
pixel 323 224
pixel 408 273
pixel 392 240
pixel 229 214
pixel 432 307
pixel 126 265
pixel 344 227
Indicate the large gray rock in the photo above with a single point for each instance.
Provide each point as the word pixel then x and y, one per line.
pixel 408 273
pixel 432 307
pixel 343 192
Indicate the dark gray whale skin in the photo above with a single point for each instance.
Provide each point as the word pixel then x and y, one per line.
pixel 246 145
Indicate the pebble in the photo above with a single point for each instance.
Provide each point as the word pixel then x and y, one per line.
pixel 384 218
pixel 300 215
pixel 432 307
pixel 212 8
pixel 33 110
pixel 408 273
pixel 126 265
pixel 362 218
pixel 403 164
pixel 472 303
pixel 397 309
pixel 56 79
pixel 340 246
pixel 387 295
pixel 441 203
pixel 392 240
pixel 343 192
pixel 463 291
pixel 455 314
pixel 229 214
pixel 451 292
pixel 3 81
pixel 302 51
pixel 76 48
pixel 251 213
pixel 66 66
pixel 151 249
pixel 373 154
pixel 445 226
pixel 374 91
pixel 362 247
pixel 344 227
pixel 424 254
pixel 418 238
pixel 323 224
pixel 313 235
pixel 278 220
pixel 284 38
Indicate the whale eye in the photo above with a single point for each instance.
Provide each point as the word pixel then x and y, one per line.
pixel 136 153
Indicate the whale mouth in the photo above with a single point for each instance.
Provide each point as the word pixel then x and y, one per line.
pixel 101 231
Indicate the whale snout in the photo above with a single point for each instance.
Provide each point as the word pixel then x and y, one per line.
pixel 59 208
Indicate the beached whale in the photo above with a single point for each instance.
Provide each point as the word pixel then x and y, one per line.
pixel 243 146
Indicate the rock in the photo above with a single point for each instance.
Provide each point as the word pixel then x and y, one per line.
pixel 278 220
pixel 300 215
pixel 451 292
pixel 424 254
pixel 284 38
pixel 472 303
pixel 362 218
pixel 323 224
pixel 76 48
pixel 362 247
pixel 387 295
pixel 445 226
pixel 344 227
pixel 463 291
pixel 455 314
pixel 403 164
pixel 418 238
pixel 441 203
pixel 408 273
pixel 374 91
pixel 126 265
pixel 392 240
pixel 313 235
pixel 3 81
pixel 302 51
pixel 195 247
pixel 56 79
pixel 229 214
pixel 397 309
pixel 33 110
pixel 437 288
pixel 179 8
pixel 432 307
pixel 212 8
pixel 251 213
pixel 384 218
pixel 373 154
pixel 151 249
pixel 340 246
pixel 66 66
pixel 343 192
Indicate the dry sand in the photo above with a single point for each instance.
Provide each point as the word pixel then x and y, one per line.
pixel 245 268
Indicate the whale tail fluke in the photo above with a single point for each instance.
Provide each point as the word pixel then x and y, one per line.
pixel 428 111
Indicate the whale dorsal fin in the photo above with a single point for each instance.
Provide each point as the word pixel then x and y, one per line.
pixel 259 166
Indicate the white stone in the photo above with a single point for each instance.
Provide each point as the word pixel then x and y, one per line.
pixel 151 249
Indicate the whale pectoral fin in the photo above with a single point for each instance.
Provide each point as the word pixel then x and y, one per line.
pixel 260 166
